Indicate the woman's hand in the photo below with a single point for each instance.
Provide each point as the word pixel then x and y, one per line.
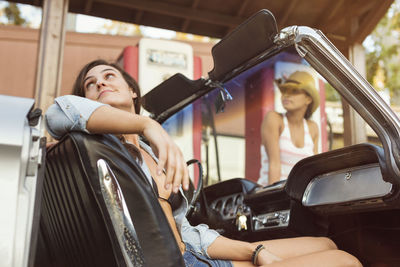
pixel 106 119
pixel 265 257
pixel 169 156
pixel 50 144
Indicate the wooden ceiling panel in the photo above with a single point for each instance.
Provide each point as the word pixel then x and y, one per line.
pixel 215 18
pixel 370 19
pixel 220 6
pixel 186 21
pixel 113 12
pixel 160 20
pixel 287 12
pixel 256 5
pixel 204 28
pixel 186 3
pixel 80 6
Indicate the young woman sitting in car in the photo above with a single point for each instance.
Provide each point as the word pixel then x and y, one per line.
pixel 107 100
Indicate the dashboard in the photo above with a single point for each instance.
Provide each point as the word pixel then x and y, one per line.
pixel 345 194
pixel 331 183
pixel 229 206
pixel 260 208
pixel 354 178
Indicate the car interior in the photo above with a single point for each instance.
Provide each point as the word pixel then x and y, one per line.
pixel 347 193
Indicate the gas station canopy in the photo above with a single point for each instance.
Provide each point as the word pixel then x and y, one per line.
pixel 346 23
pixel 343 21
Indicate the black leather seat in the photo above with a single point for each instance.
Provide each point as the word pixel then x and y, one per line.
pixel 75 226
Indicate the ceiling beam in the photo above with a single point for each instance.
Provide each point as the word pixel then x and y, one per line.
pixel 239 14
pixel 186 22
pixel 286 14
pixel 325 17
pixel 352 26
pixel 88 6
pixel 138 16
pixel 370 20
pixel 354 10
pixel 177 11
pixel 366 7
pixel 242 8
pixel 185 25
pixel 336 37
pixel 341 17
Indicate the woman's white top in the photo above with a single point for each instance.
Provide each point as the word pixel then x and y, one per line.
pixel 289 153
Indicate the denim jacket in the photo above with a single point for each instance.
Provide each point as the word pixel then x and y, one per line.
pixel 71 113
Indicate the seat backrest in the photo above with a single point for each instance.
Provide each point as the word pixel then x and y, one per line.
pixel 76 228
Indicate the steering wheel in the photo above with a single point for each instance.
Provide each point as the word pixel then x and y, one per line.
pixel 196 191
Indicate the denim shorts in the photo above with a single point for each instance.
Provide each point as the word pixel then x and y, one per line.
pixel 194 259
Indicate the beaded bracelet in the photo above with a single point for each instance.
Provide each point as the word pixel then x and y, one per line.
pixel 255 254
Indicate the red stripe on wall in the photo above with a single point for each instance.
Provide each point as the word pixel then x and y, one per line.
pixel 131 60
pixel 324 134
pixel 259 99
pixel 197 120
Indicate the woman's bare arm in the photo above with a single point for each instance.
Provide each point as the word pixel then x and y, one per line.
pixel 313 127
pixel 239 251
pixel 107 119
pixel 270 132
pixel 229 249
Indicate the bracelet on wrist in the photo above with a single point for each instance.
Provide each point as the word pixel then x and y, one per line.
pixel 255 253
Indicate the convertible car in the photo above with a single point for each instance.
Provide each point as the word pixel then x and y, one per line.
pixel 85 202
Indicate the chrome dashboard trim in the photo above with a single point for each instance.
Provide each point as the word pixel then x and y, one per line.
pixel 270 188
pixel 275 219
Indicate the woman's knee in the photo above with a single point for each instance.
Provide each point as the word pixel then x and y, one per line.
pixel 326 243
pixel 342 258
pixel 318 243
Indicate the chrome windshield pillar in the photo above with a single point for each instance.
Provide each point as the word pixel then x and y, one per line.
pixel 323 56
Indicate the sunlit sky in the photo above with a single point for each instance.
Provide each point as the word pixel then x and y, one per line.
pixel 93 24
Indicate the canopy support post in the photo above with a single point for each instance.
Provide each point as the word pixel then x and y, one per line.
pixel 51 52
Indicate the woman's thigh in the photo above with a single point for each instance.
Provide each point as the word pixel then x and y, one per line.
pixel 193 259
pixel 328 258
pixel 293 247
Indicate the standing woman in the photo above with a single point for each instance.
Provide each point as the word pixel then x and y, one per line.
pixel 289 137
pixel 107 100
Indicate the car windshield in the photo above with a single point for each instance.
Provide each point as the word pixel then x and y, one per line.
pixel 227 135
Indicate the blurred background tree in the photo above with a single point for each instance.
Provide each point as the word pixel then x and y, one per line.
pixel 120 28
pixel 13 15
pixel 331 94
pixel 383 54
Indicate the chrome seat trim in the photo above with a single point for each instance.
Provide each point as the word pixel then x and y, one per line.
pixel 119 214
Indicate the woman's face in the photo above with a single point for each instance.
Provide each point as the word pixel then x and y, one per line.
pixel 106 84
pixel 295 99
